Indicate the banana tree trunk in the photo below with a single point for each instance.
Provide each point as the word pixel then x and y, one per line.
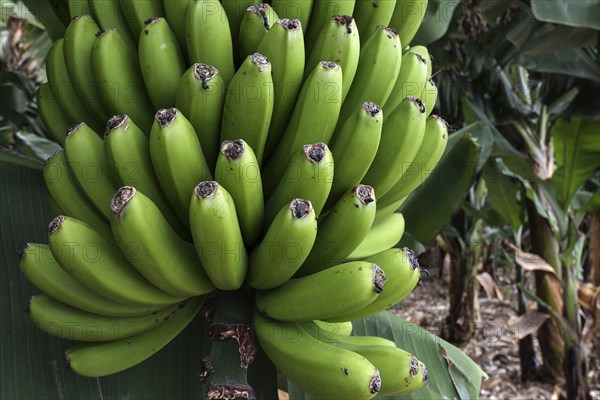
pixel 545 245
pixel 530 364
pixel 595 248
pixel 460 322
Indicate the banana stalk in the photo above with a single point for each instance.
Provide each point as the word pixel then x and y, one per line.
pixel 224 370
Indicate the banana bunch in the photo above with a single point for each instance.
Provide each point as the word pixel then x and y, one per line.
pixel 224 145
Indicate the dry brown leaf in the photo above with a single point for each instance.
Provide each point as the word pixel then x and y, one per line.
pixel 529 323
pixel 489 286
pixel 530 261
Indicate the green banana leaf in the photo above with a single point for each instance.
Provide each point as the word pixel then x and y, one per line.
pixel 431 206
pixel 577 153
pixel 452 374
pixel 33 366
pixel 436 22
pixel 580 13
pixel 504 195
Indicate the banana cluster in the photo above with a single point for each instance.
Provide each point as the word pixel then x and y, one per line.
pixel 244 145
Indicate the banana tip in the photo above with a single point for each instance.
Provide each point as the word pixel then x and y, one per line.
pixel 121 199
pixel 371 108
pixel 115 122
pixel 315 152
pixel 56 223
pixel 165 116
pixel 205 73
pixel 290 24
pixel 379 279
pixel 74 128
pixel 375 384
pixel 233 149
pixel 412 258
pixel 206 189
pixel 414 366
pixel 301 208
pixel 365 193
pixel 344 20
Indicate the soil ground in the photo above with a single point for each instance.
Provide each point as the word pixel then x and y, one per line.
pixel 495 345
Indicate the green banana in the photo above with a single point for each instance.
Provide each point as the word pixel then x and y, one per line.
pixel 99 265
pixel 116 71
pixel 256 22
pixel 77 8
pixel 307 176
pixel 208 36
pixel 327 332
pixel 325 294
pixel 77 47
pixel 338 328
pixel 238 172
pixel 200 97
pixel 430 95
pixel 177 158
pixel 384 234
pixel 338 42
pixel 411 81
pixel 283 45
pixel 55 121
pixel 294 9
pixel 423 52
pixel 372 13
pixel 127 151
pixel 67 322
pixel 63 188
pixel 322 12
pixel 401 372
pixel 100 359
pixel 175 12
pixel 377 71
pixel 354 146
pixel 235 10
pixel 401 138
pixel 284 248
pixel 217 235
pixel 429 153
pixel 403 274
pixel 407 17
pixel 319 369
pixel 249 104
pixel 355 210
pixel 54 207
pixel 314 118
pixel 85 155
pixel 161 62
pixel 153 247
pixel 39 266
pixel 61 86
pixel 108 14
pixel 136 12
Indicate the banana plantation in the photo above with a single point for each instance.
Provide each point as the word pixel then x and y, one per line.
pixel 299 199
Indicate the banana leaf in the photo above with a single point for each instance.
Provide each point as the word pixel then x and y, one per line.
pixel 580 13
pixel 436 21
pixel 452 374
pixel 31 356
pixel 577 153
pixel 504 195
pixel 431 206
